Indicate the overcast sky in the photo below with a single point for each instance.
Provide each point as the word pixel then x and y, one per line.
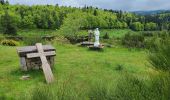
pixel 128 5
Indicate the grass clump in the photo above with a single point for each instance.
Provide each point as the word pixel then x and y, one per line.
pixel 160 57
pixel 119 67
pixel 133 88
pixel 130 88
pixel 133 40
pixel 99 92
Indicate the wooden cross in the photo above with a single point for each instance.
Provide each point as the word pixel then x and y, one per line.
pixel 45 66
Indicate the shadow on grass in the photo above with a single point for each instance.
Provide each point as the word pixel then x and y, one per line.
pixel 95 50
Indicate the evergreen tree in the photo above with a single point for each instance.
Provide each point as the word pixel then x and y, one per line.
pixel 8 24
pixel 95 13
pixel 2 2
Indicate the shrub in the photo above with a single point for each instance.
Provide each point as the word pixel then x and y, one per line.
pixel 119 67
pixel 9 22
pixel 147 33
pixel 106 36
pixel 133 40
pixel 160 57
pixel 137 26
pixel 1 37
pixel 9 43
pixel 150 26
pixel 151 43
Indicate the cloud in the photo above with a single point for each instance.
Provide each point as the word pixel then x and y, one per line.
pixel 128 5
pixel 73 3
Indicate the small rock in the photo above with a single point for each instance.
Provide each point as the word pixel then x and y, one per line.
pixel 25 77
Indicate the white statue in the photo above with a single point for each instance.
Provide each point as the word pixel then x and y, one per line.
pixel 97 34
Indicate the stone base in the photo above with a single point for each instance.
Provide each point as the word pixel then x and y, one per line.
pixel 100 47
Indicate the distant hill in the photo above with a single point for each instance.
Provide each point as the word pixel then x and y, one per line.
pixel 150 12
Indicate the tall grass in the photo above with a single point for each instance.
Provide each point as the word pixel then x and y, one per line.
pixel 133 40
pixel 130 87
pixel 160 56
pixel 32 40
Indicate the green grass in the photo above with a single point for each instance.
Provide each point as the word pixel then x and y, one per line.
pixel 39 32
pixel 117 33
pixel 77 70
pixel 79 65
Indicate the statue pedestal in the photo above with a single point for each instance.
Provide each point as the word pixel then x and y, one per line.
pixel 100 47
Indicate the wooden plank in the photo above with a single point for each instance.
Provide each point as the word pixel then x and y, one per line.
pixel 22 51
pixel 46 67
pixel 35 55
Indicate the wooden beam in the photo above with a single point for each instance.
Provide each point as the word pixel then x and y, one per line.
pixel 46 67
pixel 22 51
pixel 35 55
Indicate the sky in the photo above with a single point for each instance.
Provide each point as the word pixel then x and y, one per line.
pixel 126 5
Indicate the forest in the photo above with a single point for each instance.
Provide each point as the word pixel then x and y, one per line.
pixel 15 17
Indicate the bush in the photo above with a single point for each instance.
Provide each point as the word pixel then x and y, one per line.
pixel 9 43
pixel 147 33
pixel 1 37
pixel 133 40
pixel 9 22
pixel 137 26
pixel 160 57
pixel 106 36
pixel 151 43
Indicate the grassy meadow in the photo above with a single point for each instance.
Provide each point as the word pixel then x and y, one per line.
pixel 81 74
pixel 133 65
pixel 76 67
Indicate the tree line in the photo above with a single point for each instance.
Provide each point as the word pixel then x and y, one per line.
pixel 13 17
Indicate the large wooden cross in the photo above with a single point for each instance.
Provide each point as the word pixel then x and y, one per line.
pixel 45 66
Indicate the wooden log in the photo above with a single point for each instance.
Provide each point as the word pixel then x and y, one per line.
pixel 35 55
pixel 22 51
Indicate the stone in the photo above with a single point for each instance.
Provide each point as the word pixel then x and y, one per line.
pixel 25 77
